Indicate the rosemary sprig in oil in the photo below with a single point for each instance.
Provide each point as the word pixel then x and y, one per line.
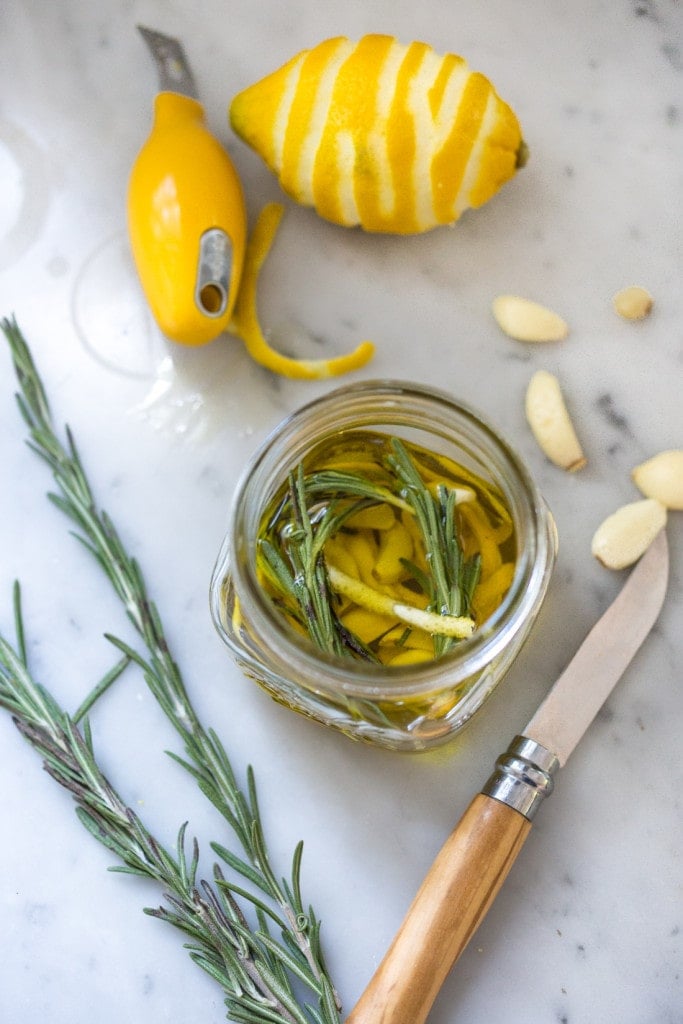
pixel 452 579
pixel 298 571
pixel 258 973
pixel 321 503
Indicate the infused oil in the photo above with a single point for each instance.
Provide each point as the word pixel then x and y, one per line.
pixel 386 558
pixel 383 551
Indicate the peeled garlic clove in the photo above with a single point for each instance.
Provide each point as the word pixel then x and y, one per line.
pixel 525 320
pixel 661 477
pixel 633 303
pixel 549 420
pixel 625 535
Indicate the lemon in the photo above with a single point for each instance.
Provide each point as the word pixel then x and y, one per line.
pixel 391 137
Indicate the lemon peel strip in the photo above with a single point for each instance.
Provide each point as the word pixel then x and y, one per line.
pixel 245 322
pixel 459 626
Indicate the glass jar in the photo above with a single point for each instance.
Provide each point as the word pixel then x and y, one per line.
pixel 404 708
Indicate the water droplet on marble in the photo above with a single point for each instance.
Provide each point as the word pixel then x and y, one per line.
pixel 58 266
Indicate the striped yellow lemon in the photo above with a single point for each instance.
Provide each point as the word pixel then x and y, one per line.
pixel 392 137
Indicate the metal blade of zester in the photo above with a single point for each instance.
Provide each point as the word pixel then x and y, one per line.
pixel 588 680
pixel 174 71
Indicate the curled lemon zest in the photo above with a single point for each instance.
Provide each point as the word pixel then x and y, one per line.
pixel 245 321
pixel 459 626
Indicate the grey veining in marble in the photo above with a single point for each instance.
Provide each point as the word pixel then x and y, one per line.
pixel 587 929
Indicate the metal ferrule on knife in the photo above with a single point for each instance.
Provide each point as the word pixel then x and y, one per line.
pixel 523 777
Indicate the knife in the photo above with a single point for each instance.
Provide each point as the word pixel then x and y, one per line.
pixel 475 860
pixel 186 215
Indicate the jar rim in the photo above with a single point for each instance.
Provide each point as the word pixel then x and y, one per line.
pixel 341 406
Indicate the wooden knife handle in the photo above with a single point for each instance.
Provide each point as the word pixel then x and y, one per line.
pixel 450 904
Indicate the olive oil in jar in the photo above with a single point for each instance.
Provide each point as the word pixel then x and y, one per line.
pixel 331 548
pixel 383 551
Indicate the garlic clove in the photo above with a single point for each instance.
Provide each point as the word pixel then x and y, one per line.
pixel 550 422
pixel 661 477
pixel 525 320
pixel 633 303
pixel 625 535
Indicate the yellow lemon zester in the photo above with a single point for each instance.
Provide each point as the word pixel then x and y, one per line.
pixel 375 133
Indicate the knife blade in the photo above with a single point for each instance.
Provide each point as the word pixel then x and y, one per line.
pixel 472 865
pixel 175 74
pixel 561 721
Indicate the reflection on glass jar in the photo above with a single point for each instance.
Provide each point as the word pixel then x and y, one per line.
pixel 393 469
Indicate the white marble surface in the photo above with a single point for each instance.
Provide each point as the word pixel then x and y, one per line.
pixel 588 926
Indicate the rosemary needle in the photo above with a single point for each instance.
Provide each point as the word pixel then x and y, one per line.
pixel 260 975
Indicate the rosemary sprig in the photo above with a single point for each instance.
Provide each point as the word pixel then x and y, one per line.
pixel 248 966
pixel 257 972
pixel 452 579
pixel 308 588
pixel 220 939
pixel 302 577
